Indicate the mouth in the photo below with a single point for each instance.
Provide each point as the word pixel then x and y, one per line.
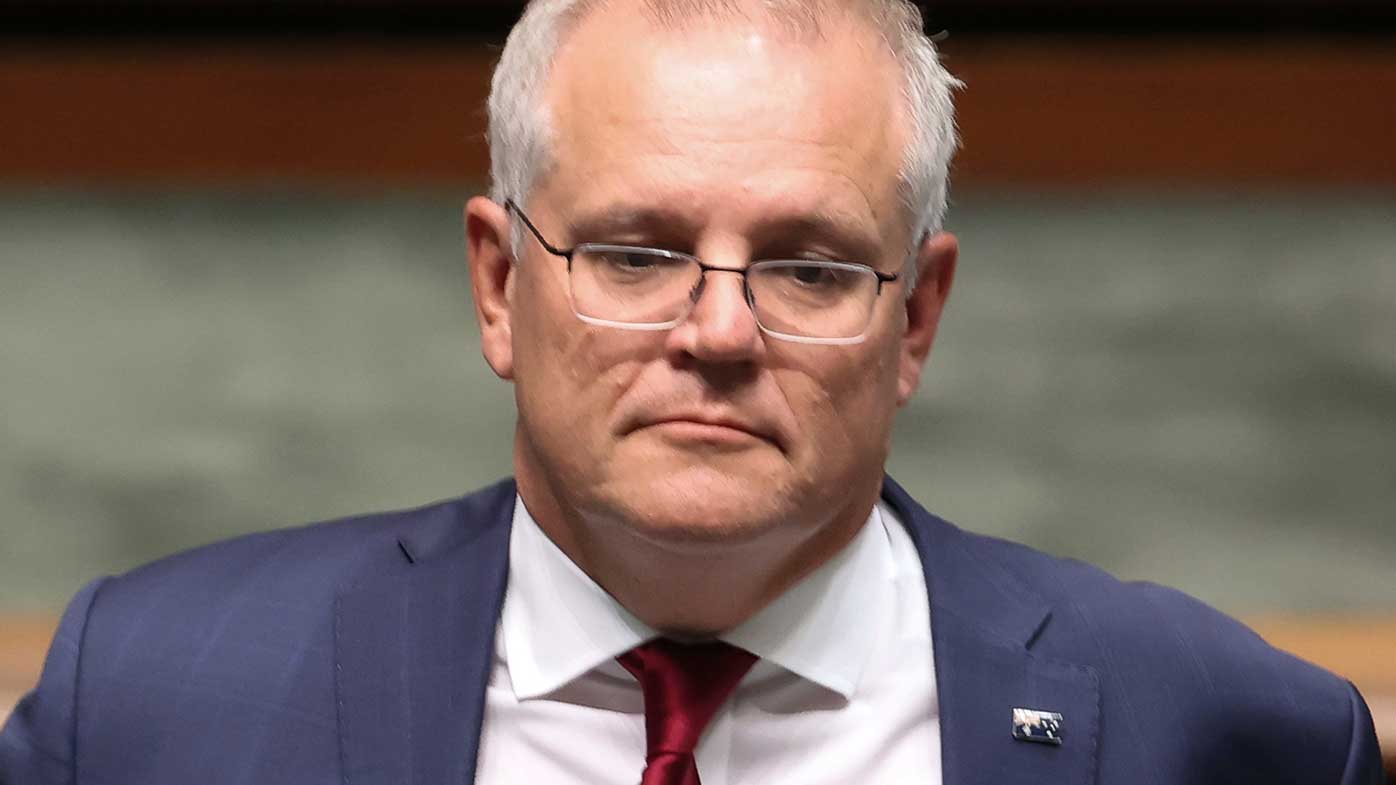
pixel 718 431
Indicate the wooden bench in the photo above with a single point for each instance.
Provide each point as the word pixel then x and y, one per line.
pixel 1361 648
pixel 23 642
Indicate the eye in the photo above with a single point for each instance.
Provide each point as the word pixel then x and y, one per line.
pixel 818 277
pixel 811 275
pixel 629 265
pixel 630 260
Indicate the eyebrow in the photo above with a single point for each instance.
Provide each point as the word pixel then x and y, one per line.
pixel 842 234
pixel 658 223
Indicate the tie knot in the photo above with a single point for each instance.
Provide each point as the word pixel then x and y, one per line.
pixel 684 685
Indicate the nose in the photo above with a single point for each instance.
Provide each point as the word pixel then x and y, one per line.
pixel 720 327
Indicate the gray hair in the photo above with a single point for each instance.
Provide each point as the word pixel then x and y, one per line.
pixel 520 121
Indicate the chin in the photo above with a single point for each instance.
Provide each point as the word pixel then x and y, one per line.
pixel 702 504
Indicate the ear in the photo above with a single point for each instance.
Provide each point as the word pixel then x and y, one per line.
pixel 935 265
pixel 491 281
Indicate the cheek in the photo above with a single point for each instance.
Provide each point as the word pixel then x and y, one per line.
pixel 546 350
pixel 556 343
pixel 842 407
pixel 538 306
pixel 568 374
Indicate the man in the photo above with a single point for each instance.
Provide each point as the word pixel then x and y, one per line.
pixel 712 268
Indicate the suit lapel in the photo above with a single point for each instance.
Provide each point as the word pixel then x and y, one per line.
pixel 983 624
pixel 414 647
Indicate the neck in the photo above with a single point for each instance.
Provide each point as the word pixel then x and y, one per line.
pixel 682 588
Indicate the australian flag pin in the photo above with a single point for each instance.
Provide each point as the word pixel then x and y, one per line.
pixel 1043 727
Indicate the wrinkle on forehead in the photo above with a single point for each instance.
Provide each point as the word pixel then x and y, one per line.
pixel 786 21
pixel 801 19
pixel 733 95
pixel 795 20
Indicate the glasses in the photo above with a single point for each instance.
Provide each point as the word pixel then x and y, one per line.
pixel 637 288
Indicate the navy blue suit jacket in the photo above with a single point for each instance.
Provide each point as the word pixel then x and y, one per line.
pixel 358 652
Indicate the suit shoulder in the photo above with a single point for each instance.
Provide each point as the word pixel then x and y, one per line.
pixel 310 547
pixel 303 562
pixel 1142 614
pixel 1150 633
pixel 1220 651
pixel 1167 659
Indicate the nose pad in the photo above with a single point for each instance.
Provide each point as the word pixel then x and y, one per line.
pixel 697 291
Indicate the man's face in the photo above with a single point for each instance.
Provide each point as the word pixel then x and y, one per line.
pixel 734 143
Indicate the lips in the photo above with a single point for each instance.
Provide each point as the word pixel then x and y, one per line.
pixel 715 423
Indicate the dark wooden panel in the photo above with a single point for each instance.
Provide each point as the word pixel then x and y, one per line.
pixel 1210 112
pixel 354 114
pixel 1039 112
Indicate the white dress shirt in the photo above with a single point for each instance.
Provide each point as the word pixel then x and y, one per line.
pixel 844 691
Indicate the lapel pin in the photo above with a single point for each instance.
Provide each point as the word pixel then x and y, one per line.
pixel 1043 727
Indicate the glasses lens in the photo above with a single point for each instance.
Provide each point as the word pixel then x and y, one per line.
pixel 618 283
pixel 830 300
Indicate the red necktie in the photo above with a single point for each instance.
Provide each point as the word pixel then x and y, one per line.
pixel 684 686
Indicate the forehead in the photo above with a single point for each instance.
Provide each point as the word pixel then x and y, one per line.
pixel 725 113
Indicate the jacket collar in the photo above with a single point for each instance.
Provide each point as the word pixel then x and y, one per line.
pixel 413 647
pixel 985 619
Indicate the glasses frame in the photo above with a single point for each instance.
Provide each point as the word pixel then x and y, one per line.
pixel 704 268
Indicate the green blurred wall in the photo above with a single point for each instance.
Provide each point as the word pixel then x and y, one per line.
pixel 1194 388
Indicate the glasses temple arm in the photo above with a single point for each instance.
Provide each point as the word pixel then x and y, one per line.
pixel 514 208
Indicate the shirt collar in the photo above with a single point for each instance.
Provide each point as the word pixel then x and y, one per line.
pixel 825 627
pixel 558 624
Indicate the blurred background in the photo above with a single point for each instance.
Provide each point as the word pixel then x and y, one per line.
pixel 233 293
